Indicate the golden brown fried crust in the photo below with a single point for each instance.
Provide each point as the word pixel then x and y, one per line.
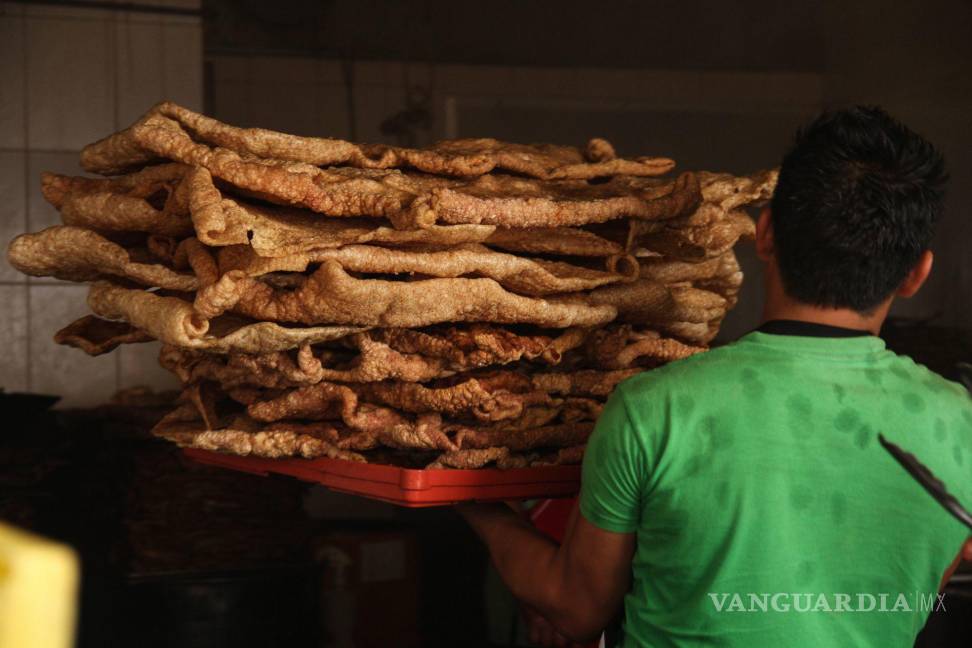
pixel 480 345
pixel 244 437
pixel 473 302
pixel 332 296
pixel 470 398
pixel 548 436
pixel 410 201
pixel 697 243
pixel 79 254
pixel 521 275
pixel 731 192
pixel 516 202
pixel 451 350
pixel 470 458
pixel 469 157
pixel 173 321
pixel 585 382
pixel 384 425
pixel 95 336
pixel 123 204
pixel 649 302
pixel 563 456
pixel 623 346
pixel 553 240
pixel 670 271
pixel 504 459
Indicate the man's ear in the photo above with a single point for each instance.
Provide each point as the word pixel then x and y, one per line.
pixel 917 276
pixel 764 235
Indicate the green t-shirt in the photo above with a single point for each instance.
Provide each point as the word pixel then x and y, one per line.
pixel 754 479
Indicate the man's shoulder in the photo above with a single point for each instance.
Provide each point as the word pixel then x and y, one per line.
pixel 945 393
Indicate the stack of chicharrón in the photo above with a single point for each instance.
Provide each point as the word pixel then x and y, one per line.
pixel 468 304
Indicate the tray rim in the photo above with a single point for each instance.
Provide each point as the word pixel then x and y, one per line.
pixel 410 487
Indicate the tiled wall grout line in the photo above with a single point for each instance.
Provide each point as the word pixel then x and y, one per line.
pixel 51 140
pixel 35 150
pixel 113 64
pixel 25 91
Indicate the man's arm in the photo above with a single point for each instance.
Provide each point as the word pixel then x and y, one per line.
pixel 964 554
pixel 578 586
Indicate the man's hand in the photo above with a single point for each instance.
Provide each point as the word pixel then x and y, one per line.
pixel 541 632
pixel 578 586
pixel 965 553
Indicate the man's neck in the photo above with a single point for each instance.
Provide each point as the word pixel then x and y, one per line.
pixel 788 309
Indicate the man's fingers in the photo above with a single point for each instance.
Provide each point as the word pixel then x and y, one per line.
pixel 546 635
pixel 533 634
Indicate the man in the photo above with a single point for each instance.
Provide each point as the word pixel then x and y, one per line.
pixel 740 497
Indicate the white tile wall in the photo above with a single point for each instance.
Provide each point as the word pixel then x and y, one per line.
pixel 40 213
pixel 13 210
pixel 12 68
pixel 13 337
pixel 138 364
pixel 70 84
pixel 138 60
pixel 72 75
pixel 70 373
pixel 182 61
pixel 231 101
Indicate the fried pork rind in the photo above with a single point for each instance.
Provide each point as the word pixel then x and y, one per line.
pixel 173 321
pixel 695 243
pixel 332 296
pixel 726 281
pixel 504 459
pixel 245 437
pixel 448 352
pixel 672 271
pixel 480 345
pixel 585 382
pixel 731 192
pixel 275 231
pixel 515 202
pixel 95 336
pixel 78 254
pixel 714 227
pixel 324 400
pixel 521 275
pixel 649 302
pixel 470 157
pixel 553 240
pixel 127 203
pixel 337 191
pixel 563 456
pixel 623 346
pixel 475 458
pixel 410 201
pixel 473 301
pixel 548 436
pixel 489 396
pixel 470 398
pixel 375 425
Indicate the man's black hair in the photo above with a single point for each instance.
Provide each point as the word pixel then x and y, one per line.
pixel 855 206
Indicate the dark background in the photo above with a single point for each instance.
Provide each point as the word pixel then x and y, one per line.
pixel 720 86
pixel 715 85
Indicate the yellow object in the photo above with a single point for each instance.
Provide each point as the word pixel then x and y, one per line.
pixel 38 591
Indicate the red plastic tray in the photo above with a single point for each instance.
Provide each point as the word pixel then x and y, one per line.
pixel 406 486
